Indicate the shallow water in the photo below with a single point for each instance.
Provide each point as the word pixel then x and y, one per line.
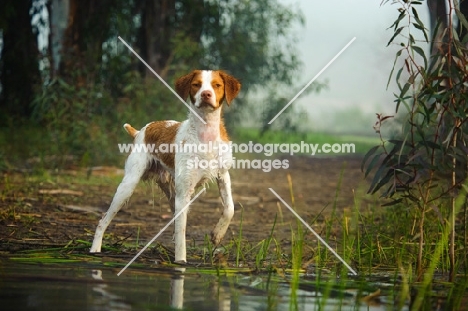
pixel 80 287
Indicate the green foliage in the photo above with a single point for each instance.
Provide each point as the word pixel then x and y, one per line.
pixel 426 165
pixel 434 132
pixel 87 121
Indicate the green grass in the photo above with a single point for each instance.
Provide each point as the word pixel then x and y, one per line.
pixel 362 143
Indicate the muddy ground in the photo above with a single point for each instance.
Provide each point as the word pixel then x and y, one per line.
pixel 57 211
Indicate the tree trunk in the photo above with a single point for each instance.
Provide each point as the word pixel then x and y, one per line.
pixel 156 34
pixel 82 46
pixel 58 19
pixel 19 71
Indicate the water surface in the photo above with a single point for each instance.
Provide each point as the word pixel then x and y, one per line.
pixel 82 287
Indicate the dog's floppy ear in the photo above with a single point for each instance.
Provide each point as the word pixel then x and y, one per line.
pixel 183 84
pixel 231 86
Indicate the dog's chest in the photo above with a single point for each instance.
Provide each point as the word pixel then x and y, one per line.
pixel 208 133
pixel 203 150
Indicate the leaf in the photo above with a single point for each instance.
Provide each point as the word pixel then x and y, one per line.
pixel 400 17
pixel 390 191
pixel 378 181
pixel 391 154
pixel 367 155
pixel 415 12
pixel 420 51
pixel 398 54
pixel 372 163
pixel 419 24
pixel 407 65
pixel 397 78
pixel 383 181
pixel 385 118
pixel 405 89
pixel 461 18
pixel 392 202
pixel 376 178
pixel 397 32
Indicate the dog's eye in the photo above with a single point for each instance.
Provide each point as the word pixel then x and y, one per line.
pixel 218 85
pixel 196 84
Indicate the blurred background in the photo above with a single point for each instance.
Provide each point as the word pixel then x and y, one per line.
pixel 68 84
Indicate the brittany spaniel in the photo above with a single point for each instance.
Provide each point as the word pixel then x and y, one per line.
pixel 174 171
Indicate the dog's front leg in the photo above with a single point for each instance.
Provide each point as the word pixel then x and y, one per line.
pixel 181 201
pixel 185 187
pixel 224 185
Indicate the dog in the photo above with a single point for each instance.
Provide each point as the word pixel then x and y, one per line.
pixel 174 172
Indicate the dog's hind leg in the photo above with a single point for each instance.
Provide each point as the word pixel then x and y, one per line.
pixel 135 167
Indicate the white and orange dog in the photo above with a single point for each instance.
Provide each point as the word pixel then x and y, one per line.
pixel 207 91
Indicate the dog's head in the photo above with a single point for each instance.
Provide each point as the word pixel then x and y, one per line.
pixel 208 88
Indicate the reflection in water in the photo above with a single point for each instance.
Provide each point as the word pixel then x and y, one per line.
pixel 177 289
pixel 53 287
pixel 217 292
pixel 106 298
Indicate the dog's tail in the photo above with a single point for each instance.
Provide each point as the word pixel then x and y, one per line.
pixel 131 130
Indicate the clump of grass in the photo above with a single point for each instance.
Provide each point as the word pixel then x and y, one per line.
pixel 239 240
pixel 265 248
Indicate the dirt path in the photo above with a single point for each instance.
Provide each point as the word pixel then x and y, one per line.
pixel 44 214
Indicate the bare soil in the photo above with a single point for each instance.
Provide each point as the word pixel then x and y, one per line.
pixel 57 211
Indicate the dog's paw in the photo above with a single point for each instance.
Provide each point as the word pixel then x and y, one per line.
pixel 181 262
pixel 94 249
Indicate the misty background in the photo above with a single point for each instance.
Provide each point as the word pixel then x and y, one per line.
pixel 357 80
